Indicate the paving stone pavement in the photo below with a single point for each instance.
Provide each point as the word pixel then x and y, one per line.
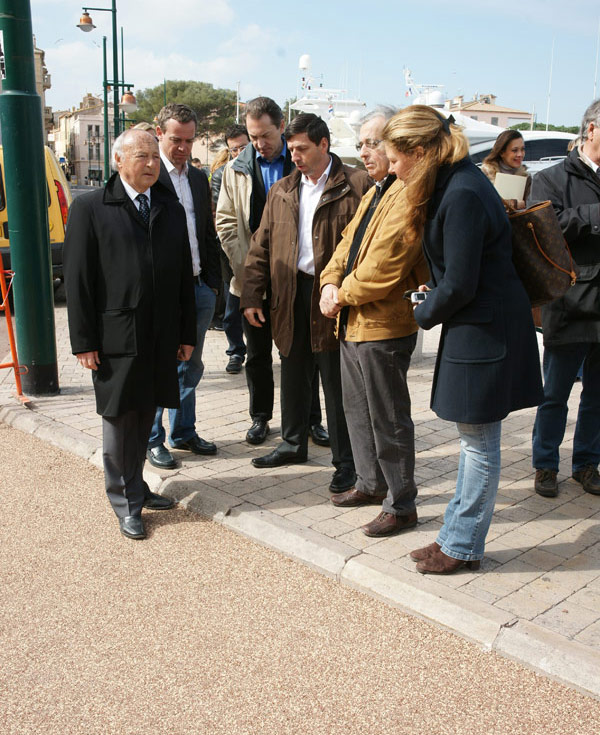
pixel 539 587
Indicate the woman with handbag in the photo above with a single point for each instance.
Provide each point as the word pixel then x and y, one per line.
pixel 488 363
pixel 506 157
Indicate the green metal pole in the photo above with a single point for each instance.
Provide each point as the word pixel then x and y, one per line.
pixel 105 120
pixel 115 68
pixel 122 79
pixel 25 177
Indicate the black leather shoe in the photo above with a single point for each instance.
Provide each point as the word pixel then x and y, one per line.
pixel 319 435
pixel 258 432
pixel 343 479
pixel 132 527
pixel 197 445
pixel 234 366
pixel 277 458
pixel 157 502
pixel 161 457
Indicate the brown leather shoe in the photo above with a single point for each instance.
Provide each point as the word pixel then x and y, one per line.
pixel 387 524
pixel 424 552
pixel 440 563
pixel 354 497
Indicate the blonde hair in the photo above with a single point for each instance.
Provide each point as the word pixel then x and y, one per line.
pixel 420 126
pixel 220 160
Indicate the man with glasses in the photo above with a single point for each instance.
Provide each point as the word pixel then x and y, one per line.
pixel 176 132
pixel 245 184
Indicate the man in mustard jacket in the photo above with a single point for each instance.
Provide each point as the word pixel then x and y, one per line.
pixel 303 219
pixel 362 286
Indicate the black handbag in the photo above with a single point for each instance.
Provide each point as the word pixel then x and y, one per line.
pixel 541 255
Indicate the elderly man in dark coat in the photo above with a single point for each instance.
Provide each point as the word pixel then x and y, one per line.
pixel 130 300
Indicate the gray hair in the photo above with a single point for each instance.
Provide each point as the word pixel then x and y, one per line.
pixel 125 139
pixel 591 115
pixel 387 112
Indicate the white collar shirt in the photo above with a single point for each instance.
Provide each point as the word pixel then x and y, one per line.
pixel 588 161
pixel 181 183
pixel 133 194
pixel 310 195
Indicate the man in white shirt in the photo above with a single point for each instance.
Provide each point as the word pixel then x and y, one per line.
pixel 301 225
pixel 176 132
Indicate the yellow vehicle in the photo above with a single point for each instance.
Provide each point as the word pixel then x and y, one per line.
pixel 59 200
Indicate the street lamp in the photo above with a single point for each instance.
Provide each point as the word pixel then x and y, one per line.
pixel 86 25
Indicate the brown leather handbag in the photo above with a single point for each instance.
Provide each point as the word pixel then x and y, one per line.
pixel 540 253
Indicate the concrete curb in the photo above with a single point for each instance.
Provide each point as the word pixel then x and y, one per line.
pixel 427 598
pixel 325 555
pixel 549 653
pixel 566 661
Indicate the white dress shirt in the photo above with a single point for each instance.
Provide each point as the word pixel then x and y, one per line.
pixel 133 194
pixel 181 182
pixel 310 195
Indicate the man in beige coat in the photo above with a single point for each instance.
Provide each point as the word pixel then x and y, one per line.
pixel 301 225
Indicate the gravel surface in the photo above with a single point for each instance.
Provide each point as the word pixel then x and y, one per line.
pixel 197 630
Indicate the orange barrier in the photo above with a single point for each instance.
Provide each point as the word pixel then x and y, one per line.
pixel 5 307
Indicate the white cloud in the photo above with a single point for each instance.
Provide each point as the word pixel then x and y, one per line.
pixel 159 22
pixel 76 68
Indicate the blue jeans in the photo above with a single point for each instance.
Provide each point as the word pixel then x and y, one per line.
pixel 232 324
pixel 182 420
pixel 561 365
pixel 469 514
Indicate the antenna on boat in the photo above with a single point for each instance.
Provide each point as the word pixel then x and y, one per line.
pixel 550 83
pixel 596 67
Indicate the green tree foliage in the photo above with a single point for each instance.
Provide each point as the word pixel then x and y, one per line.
pixel 215 107
pixel 542 126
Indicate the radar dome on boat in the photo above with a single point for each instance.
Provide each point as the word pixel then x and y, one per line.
pixel 354 116
pixel 304 62
pixel 436 99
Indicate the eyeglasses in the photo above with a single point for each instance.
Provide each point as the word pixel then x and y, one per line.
pixel 369 142
pixel 237 149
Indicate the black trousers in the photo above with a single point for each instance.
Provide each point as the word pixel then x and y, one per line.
pixel 259 372
pixel 297 374
pixel 124 444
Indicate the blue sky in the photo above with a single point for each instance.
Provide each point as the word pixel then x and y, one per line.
pixel 469 46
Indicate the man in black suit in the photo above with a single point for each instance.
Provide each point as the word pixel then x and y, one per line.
pixel 130 299
pixel 176 132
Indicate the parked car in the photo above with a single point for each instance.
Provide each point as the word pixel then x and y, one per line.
pixel 542 149
pixel 59 200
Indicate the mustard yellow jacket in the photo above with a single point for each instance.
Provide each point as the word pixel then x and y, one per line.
pixel 383 270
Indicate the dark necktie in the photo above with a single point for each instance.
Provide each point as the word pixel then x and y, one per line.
pixel 144 207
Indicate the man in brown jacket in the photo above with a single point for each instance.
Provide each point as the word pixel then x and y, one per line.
pixel 301 225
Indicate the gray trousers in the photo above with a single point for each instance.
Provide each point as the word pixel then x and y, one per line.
pixel 124 443
pixel 377 406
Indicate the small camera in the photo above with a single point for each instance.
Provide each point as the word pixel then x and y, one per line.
pixel 418 296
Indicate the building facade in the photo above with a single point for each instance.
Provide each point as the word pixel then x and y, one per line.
pixel 79 141
pixel 483 107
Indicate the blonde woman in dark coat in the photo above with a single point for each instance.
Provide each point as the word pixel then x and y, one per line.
pixel 488 362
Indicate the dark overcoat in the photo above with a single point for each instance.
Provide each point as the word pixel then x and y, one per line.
pixel 130 295
pixel 488 362
pixel 208 245
pixel 574 190
pixel 274 248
